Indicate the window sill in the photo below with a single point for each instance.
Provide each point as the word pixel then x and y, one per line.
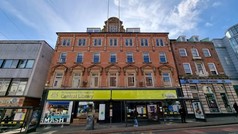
pixel 164 62
pixel 147 62
pixel 78 62
pixel 130 62
pixel 96 62
pixel 113 62
pixel 61 62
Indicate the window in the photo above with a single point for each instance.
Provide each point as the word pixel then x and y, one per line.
pixel 131 80
pixel 195 52
pixel 129 57
pixel 58 79
pixel 17 87
pixel 79 58
pixel 166 79
pixel 96 58
pixel 193 88
pixel 112 79
pixel 206 52
pixel 159 42
pixel 29 63
pixel 146 57
pixel 162 57
pixel 22 63
pixel 66 42
pixel 10 63
pixel 4 84
pixel 94 80
pixel 97 42
pixel 227 60
pixel 212 68
pixel 1 62
pixel 182 52
pixel 81 42
pixel 113 58
pixel 128 42
pixel 62 57
pixel 144 42
pixel 187 68
pixel 148 79
pixel 113 42
pixel 76 80
pixel 113 28
pixel 200 68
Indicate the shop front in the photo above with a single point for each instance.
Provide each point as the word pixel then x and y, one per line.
pixel 74 106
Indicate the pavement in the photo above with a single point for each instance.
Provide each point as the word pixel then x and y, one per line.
pixel 107 128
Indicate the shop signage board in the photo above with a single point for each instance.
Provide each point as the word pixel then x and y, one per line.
pixel 198 110
pixel 79 95
pixel 143 94
pixel 11 101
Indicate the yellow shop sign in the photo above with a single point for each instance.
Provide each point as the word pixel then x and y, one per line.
pixel 79 95
pixel 143 94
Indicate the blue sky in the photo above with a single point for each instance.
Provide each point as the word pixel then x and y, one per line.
pixel 41 19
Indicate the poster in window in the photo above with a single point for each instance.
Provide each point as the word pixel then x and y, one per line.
pixel 101 112
pixel 198 111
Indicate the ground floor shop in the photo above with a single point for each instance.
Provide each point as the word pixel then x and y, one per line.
pixel 74 106
pixel 216 95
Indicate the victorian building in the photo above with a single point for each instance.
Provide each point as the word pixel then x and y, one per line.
pixel 202 77
pixel 109 72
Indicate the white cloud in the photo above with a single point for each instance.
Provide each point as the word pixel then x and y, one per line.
pixel 161 15
pixel 208 24
pixel 216 4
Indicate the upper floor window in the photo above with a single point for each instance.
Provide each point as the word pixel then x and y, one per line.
pixel 10 63
pixel 97 42
pixel 131 80
pixel 29 63
pixel 66 42
pixel 113 58
pixel 128 42
pixel 94 80
pixel 148 79
pixel 112 79
pixel 144 42
pixel 58 79
pixel 182 52
pixel 159 42
pixel 187 68
pixel 76 80
pixel 195 52
pixel 82 42
pixel 166 79
pixel 200 68
pixel 25 63
pixel 113 28
pixel 129 57
pixel 206 52
pixel 162 57
pixel 146 57
pixel 96 57
pixel 1 62
pixel 17 87
pixel 62 57
pixel 113 42
pixel 4 84
pixel 212 68
pixel 79 58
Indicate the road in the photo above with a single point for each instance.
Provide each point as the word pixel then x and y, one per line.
pixel 221 129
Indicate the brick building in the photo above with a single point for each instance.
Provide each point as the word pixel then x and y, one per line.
pixel 109 71
pixel 201 75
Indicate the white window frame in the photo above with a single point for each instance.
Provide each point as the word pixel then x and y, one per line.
pixel 206 52
pixel 149 75
pixel 111 55
pixel 194 52
pixel 183 52
pixel 128 42
pixel 189 67
pixel 113 75
pixel 159 42
pixel 131 75
pixel 202 66
pixel 167 83
pixel 144 42
pixel 127 57
pixel 63 55
pixel 146 54
pixel 213 68
pixel 81 42
pixel 76 80
pixel 94 56
pixel 97 42
pixel 58 79
pixel 113 42
pixel 93 77
pixel 162 55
